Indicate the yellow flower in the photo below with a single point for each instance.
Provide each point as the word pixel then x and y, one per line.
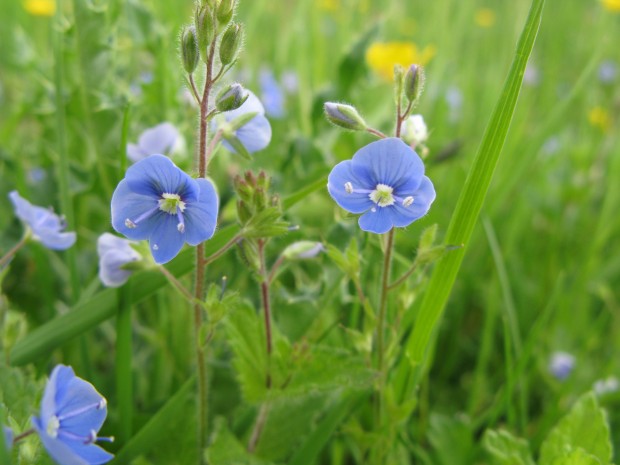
pixel 611 5
pixel 381 57
pixel 599 118
pixel 40 7
pixel 329 5
pixel 485 17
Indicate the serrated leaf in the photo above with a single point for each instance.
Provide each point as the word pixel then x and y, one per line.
pixel 506 449
pixel 584 427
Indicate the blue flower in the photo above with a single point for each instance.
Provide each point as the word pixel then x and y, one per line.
pixel 46 226
pixel 385 181
pixel 255 135
pixel 271 92
pixel 163 138
pixel 8 436
pixel 561 365
pixel 72 412
pixel 159 202
pixel 115 252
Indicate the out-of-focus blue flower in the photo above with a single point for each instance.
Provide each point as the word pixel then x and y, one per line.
pixel 385 182
pixel 561 365
pixel 46 226
pixel 290 81
pixel 454 99
pixel 72 412
pixel 272 95
pixel 607 71
pixel 159 202
pixel 531 76
pixel 114 253
pixel 255 135
pixel 163 139
pixel 36 175
pixel 8 436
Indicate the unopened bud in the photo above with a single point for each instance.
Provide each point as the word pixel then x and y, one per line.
pixel 189 49
pixel 231 43
pixel 225 12
pixel 205 29
pixel 243 212
pixel 414 82
pixel 263 180
pixel 231 98
pixel 344 116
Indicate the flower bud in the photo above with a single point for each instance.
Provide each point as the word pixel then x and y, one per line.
pixel 231 97
pixel 302 250
pixel 225 12
pixel 414 131
pixel 205 29
pixel 243 212
pixel 344 116
pixel 231 43
pixel 414 82
pixel 189 49
pixel 263 181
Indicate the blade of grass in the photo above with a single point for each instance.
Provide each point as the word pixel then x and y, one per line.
pixel 472 197
pixel 124 374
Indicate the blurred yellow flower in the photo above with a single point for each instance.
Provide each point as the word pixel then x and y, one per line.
pixel 599 118
pixel 382 56
pixel 329 5
pixel 611 5
pixel 485 17
pixel 40 7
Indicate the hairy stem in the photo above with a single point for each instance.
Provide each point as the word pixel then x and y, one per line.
pixel 7 257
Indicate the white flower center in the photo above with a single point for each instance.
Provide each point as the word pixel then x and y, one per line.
pixel 382 195
pixel 170 203
pixel 53 425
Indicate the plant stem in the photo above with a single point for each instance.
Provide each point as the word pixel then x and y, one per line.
pixel 7 257
pixel 178 285
pixel 124 374
pixel 258 427
pixel 377 133
pixel 25 434
pixel 193 88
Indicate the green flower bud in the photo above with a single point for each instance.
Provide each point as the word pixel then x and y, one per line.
pixel 189 49
pixel 231 43
pixel 243 212
pixel 260 199
pixel 344 116
pixel 414 82
pixel 263 181
pixel 225 12
pixel 205 29
pixel 231 97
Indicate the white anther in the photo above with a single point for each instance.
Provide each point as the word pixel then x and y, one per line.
pixel 407 201
pixel 130 224
pixel 348 187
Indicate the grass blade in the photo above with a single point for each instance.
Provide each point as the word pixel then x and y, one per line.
pixel 472 197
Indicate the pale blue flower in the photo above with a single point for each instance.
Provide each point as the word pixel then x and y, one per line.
pixel 114 253
pixel 163 139
pixel 46 226
pixel 255 135
pixel 385 182
pixel 272 95
pixel 72 412
pixel 607 71
pixel 561 365
pixel 159 202
pixel 606 386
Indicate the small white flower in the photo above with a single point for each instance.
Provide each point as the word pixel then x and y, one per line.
pixel 414 130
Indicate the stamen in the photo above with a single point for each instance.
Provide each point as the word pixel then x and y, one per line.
pixel 348 187
pixel 91 438
pixel 147 214
pixel 53 425
pixel 407 201
pixel 382 195
pixel 98 406
pixel 181 225
pixel 171 203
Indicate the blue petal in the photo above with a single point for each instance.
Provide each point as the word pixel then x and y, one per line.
pixel 23 208
pixel 134 153
pixel 57 449
pixel 422 200
pixel 159 139
pixel 90 453
pixel 156 175
pixel 201 217
pixel 110 272
pixel 55 389
pixel 127 204
pixel 255 135
pixel 273 97
pixel 166 240
pixel 389 161
pixel 353 202
pixel 52 239
pixel 376 220
pixel 79 395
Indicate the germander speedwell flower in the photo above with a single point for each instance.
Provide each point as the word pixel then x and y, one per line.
pixel 163 138
pixel 385 181
pixel 46 226
pixel 159 202
pixel 114 254
pixel 72 412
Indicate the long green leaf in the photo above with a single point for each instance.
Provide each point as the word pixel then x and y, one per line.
pixel 472 197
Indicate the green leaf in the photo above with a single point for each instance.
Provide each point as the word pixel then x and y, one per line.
pixel 238 147
pixel 577 457
pixel 506 449
pixel 158 427
pixel 584 427
pixel 452 439
pixel 472 197
pixel 225 448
